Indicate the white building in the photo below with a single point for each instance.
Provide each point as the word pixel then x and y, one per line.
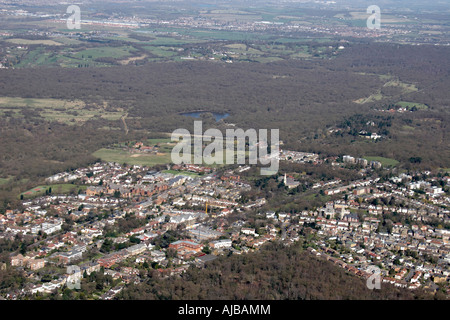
pixel 218 244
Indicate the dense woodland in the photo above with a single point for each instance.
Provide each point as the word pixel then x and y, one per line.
pixel 273 273
pixel 302 98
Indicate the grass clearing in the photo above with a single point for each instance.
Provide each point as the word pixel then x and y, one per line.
pixel 66 111
pixel 122 156
pixel 104 52
pixel 314 196
pixel 411 105
pixel 34 42
pixel 4 181
pixel 267 59
pixel 155 141
pixel 408 128
pixel 372 98
pixel 14 102
pixel 167 41
pixel 406 87
pixel 386 162
pixel 161 51
pixel 64 188
pixel 184 173
pixel 390 82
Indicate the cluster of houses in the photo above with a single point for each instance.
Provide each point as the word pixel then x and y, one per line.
pixel 120 190
pixel 298 157
pixel 403 249
pixel 348 229
pixel 140 147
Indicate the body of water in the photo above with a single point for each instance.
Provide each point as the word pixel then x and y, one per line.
pixel 197 114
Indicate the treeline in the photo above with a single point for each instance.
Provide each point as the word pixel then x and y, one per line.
pixel 33 149
pixel 41 148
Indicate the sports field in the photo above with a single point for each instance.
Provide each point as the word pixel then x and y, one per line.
pixel 122 156
pixel 64 188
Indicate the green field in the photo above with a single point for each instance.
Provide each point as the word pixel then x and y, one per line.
pixel 390 82
pixel 405 87
pixel 68 57
pixel 121 156
pixel 411 105
pixel 34 42
pixel 163 52
pixel 386 162
pixel 56 189
pixel 322 198
pixel 66 111
pixel 184 173
pixel 407 128
pixel 167 41
pixel 141 159
pixel 4 181
pixel 103 52
pixel 155 141
pixel 267 59
pixel 39 56
pixel 372 98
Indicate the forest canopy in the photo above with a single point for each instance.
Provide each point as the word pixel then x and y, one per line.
pixel 316 105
